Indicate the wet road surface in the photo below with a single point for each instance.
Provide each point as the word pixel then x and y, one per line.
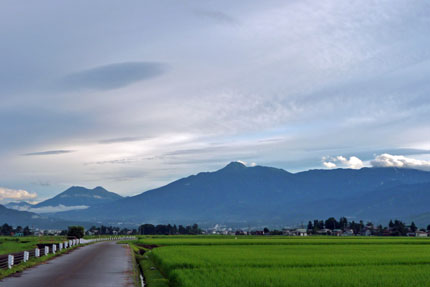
pixel 100 264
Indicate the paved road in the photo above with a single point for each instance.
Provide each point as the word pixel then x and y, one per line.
pixel 100 264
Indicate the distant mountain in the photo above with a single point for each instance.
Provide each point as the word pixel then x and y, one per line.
pixel 24 218
pixel 20 205
pixel 241 196
pixel 76 197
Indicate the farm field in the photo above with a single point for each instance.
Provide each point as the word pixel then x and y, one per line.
pixel 291 261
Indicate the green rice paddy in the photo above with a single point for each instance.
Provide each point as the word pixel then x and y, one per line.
pixel 291 261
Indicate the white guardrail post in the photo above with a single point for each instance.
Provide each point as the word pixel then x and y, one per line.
pixel 26 256
pixel 60 246
pixel 37 252
pixel 10 260
pixel 46 250
pixel 54 248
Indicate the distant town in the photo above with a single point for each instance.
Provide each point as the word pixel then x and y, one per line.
pixel 330 227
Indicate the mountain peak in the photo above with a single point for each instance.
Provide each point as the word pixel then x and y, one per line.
pixel 81 196
pixel 234 165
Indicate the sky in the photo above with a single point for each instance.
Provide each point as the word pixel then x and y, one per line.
pixel 131 95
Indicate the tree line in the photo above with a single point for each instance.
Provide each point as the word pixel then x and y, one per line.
pixel 8 230
pixel 394 228
pixel 160 229
pixel 147 229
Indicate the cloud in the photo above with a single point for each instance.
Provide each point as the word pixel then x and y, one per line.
pixel 49 152
pixel 252 164
pixel 50 209
pixel 15 194
pixel 358 68
pixel 120 140
pixel 400 161
pixel 112 76
pixel 217 16
pixel 353 162
pixel 329 164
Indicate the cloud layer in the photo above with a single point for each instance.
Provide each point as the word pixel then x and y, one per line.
pixel 112 76
pixel 353 162
pixel 50 209
pixel 15 194
pixel 154 92
pixel 388 160
pixel 49 152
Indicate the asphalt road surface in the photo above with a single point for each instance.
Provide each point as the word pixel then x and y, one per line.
pixel 100 264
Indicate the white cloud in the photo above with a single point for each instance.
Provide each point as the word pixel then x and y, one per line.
pixel 400 161
pixel 252 164
pixel 329 164
pixel 353 162
pixel 50 209
pixel 15 194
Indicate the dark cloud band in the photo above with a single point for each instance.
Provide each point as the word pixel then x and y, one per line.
pixel 112 76
pixel 49 152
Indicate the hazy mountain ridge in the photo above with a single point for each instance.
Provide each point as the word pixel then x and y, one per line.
pixel 242 195
pixel 24 218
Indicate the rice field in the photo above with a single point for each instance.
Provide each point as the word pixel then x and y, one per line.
pixel 291 261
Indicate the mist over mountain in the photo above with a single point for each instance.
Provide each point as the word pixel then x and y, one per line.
pixel 75 197
pixel 19 205
pixel 239 195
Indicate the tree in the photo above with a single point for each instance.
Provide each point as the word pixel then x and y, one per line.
pixel 182 230
pixel 343 222
pixel 76 231
pixel 6 229
pixel 266 230
pixel 413 227
pixel 310 226
pixel 331 223
pixel 195 229
pixel 27 231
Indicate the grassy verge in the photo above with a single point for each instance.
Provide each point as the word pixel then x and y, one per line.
pixel 152 275
pixel 33 262
pixel 17 244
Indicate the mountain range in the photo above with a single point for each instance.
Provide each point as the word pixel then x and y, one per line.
pixel 240 196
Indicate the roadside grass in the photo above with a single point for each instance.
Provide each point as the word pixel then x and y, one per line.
pixel 287 261
pixel 136 267
pixel 151 273
pixel 16 244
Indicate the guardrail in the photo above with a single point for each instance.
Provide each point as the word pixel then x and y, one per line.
pixel 9 260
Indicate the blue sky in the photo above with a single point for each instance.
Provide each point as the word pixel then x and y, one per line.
pixel 132 95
